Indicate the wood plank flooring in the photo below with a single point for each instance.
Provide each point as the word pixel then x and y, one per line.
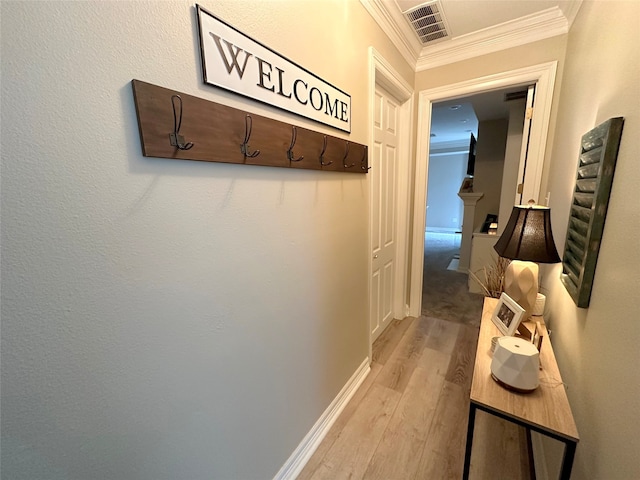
pixel 408 420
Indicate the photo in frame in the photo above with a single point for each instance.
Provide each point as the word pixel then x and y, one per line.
pixel 507 315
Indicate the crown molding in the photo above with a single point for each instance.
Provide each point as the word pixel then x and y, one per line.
pixel 531 28
pixel 528 29
pixel 572 11
pixel 396 29
pixel 449 147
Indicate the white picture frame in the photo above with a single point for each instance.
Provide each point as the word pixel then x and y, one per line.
pixel 507 315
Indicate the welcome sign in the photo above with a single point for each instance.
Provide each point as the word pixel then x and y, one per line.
pixel 235 62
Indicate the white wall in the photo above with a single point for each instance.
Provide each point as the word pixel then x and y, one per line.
pixel 445 177
pixel 597 348
pixel 170 319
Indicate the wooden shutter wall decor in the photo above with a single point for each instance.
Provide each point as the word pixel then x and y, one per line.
pixel 596 165
pixel 183 127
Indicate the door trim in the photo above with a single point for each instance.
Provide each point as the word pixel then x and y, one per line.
pixel 382 73
pixel 544 76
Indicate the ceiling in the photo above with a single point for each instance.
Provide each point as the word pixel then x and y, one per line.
pixel 453 121
pixel 473 27
pixel 466 29
pixel 468 16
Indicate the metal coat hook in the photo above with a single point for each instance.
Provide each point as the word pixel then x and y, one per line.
pixel 344 159
pixel 324 149
pixel 290 155
pixel 175 138
pixel 363 161
pixel 244 146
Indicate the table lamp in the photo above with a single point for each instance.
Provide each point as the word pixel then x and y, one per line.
pixel 527 240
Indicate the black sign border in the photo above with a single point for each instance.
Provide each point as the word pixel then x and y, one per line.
pixel 200 10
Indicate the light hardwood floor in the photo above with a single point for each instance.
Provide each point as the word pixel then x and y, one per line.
pixel 408 420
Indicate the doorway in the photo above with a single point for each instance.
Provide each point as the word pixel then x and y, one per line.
pixel 543 76
pixel 444 291
pixel 473 139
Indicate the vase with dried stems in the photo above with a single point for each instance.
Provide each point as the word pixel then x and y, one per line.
pixel 492 283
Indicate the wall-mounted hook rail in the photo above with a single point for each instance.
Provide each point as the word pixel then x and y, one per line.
pixel 294 137
pixel 175 138
pixel 244 146
pixel 363 161
pixel 219 131
pixel 324 149
pixel 344 159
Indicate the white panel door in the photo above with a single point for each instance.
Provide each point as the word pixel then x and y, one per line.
pixel 524 187
pixel 383 211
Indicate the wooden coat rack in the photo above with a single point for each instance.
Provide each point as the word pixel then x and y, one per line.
pixel 183 127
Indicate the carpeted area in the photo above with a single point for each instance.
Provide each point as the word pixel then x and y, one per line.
pixel 445 294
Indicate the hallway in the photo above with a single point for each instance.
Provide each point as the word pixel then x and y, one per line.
pixel 408 420
pixel 445 293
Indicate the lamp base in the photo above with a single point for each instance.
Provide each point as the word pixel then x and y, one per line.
pixel 521 284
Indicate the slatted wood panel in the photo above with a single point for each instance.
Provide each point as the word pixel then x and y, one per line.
pixel 598 154
pixel 217 132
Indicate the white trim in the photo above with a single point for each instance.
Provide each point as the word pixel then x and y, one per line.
pixel 458 151
pixel 528 29
pixel 382 73
pixel 389 78
pixel 544 76
pixel 438 146
pixel 572 9
pixel 301 455
pixel 442 230
pixel 419 200
pixel 398 31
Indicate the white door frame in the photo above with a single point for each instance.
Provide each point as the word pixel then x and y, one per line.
pixel 382 73
pixel 544 75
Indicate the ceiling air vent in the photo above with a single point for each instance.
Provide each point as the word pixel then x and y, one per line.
pixel 428 21
pixel 515 95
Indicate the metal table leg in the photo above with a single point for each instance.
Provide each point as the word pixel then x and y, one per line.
pixel 467 452
pixel 567 460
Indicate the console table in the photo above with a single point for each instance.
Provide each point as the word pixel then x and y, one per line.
pixel 545 410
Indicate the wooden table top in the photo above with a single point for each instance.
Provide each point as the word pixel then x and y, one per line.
pixel 547 407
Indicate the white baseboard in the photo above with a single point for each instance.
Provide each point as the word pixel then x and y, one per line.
pixel 442 230
pixel 301 455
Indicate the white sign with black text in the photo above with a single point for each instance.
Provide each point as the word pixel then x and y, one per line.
pixel 235 62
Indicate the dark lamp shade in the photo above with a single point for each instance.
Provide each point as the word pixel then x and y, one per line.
pixel 528 236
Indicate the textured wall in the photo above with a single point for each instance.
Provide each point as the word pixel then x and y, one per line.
pixel 165 319
pixel 597 348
